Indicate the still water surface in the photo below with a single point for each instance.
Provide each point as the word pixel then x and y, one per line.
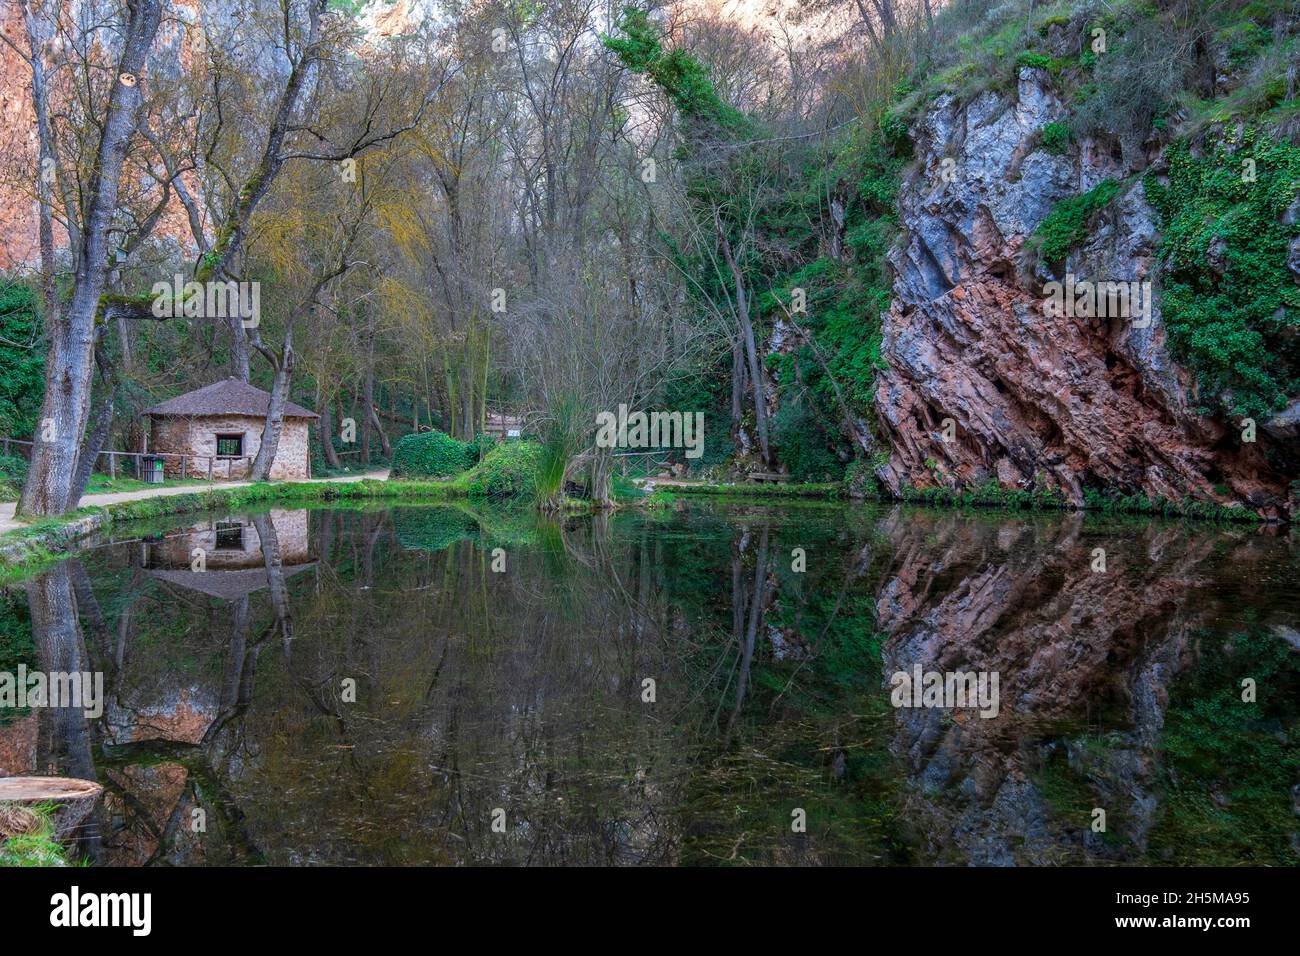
pixel 360 686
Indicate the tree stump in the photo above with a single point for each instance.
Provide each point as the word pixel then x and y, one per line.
pixel 73 799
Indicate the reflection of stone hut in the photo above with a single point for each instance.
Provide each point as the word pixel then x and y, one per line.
pixel 232 554
pixel 220 425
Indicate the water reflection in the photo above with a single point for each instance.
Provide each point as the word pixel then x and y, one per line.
pixel 361 686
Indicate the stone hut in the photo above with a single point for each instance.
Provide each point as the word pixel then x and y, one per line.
pixel 220 425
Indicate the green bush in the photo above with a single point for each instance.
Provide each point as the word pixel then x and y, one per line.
pixel 478 448
pixel 1055 137
pixel 430 454
pixel 13 469
pixel 1038 61
pixel 1067 225
pixel 1235 322
pixel 802 443
pixel 507 471
pixel 22 359
pixel 13 474
pixel 1056 20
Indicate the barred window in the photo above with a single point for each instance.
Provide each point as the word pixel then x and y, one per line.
pixel 230 446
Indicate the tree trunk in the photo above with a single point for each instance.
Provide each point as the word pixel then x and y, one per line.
pixel 600 471
pixel 66 404
pixel 468 395
pixel 238 349
pixel 274 425
pixel 327 434
pixel 737 385
pixel 378 426
pixel 93 444
pixel 751 348
pixel 47 170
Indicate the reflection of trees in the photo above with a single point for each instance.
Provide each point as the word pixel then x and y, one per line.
pixel 174 758
pixel 64 742
pixel 522 690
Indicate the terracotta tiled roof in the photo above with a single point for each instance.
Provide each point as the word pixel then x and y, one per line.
pixel 228 397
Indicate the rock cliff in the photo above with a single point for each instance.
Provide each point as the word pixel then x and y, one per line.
pixel 1038 400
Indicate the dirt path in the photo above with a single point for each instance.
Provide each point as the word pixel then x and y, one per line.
pixel 8 522
pixel 649 484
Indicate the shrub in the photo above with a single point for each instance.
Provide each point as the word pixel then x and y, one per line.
pixel 802 444
pixel 1134 81
pixel 13 469
pixel 507 471
pixel 13 474
pixel 1235 324
pixel 1056 20
pixel 1055 137
pixel 22 359
pixel 860 478
pixel 430 454
pixel 1067 225
pixel 1039 61
pixel 479 447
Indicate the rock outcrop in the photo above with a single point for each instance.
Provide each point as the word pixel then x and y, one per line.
pixel 1037 400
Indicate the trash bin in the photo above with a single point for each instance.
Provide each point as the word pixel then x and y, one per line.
pixel 153 471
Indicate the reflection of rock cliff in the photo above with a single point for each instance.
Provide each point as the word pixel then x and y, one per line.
pixel 1077 652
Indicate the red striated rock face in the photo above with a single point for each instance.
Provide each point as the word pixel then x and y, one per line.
pixel 1037 400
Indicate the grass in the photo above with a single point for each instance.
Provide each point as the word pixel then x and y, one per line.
pixel 103 484
pixel 832 489
pixel 991 495
pixel 34 847
pixel 1067 224
pixel 986 495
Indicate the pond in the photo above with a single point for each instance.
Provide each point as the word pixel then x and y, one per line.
pixel 702 684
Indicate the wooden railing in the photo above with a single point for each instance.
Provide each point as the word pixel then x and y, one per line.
pixel 192 466
pixel 652 465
